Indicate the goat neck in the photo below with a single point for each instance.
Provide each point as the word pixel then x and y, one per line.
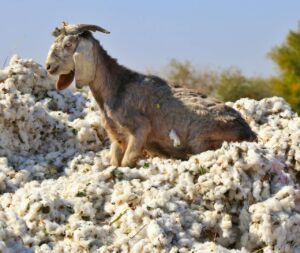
pixel 108 77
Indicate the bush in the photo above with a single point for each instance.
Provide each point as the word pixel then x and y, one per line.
pixel 185 74
pixel 287 57
pixel 233 85
pixel 228 85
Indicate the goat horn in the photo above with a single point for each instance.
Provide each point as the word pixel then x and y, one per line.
pixel 75 29
pixel 93 28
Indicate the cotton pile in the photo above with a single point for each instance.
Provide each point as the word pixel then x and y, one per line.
pixel 58 193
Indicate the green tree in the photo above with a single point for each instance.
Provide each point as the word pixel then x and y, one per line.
pixel 287 57
pixel 233 85
pixel 185 74
pixel 228 85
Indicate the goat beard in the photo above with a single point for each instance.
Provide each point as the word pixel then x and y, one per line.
pixel 65 80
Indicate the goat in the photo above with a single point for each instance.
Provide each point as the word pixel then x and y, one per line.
pixel 141 113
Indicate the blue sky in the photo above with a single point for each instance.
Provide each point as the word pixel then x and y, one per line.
pixel 147 34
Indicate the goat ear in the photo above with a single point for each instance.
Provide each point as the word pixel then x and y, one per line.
pixel 85 65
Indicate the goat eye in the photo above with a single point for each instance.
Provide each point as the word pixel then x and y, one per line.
pixel 68 44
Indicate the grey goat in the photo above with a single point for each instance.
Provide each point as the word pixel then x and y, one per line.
pixel 141 113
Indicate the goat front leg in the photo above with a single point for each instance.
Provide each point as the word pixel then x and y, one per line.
pixel 136 142
pixel 116 153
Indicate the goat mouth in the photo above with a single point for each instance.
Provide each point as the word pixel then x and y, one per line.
pixel 65 80
pixel 52 72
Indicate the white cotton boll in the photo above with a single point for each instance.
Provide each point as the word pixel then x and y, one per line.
pixel 44 248
pixel 185 242
pixel 14 60
pixel 138 247
pixel 219 206
pixel 2 181
pixel 93 119
pixel 58 98
pixel 257 211
pixel 267 234
pixel 257 188
pixel 28 239
pixel 174 249
pixel 24 207
pixel 219 191
pixel 163 198
pixel 51 227
pixel 21 177
pixel 272 221
pixel 210 218
pixel 3 232
pixel 172 207
pixel 226 225
pixel 253 160
pixel 120 238
pixel 85 210
pixel 196 230
pixel 265 193
pixel 4 248
pixel 139 213
pixel 277 106
pixel 81 240
pixel 4 74
pixel 86 134
pixel 294 125
pixel 155 232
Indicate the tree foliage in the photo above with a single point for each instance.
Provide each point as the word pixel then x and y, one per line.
pixel 287 58
pixel 233 85
pixel 228 85
pixel 185 74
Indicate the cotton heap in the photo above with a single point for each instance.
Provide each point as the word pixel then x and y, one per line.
pixel 59 195
pixel 41 129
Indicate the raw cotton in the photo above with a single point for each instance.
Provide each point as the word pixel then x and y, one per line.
pixel 58 193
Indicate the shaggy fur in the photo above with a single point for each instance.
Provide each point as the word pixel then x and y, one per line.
pixel 140 111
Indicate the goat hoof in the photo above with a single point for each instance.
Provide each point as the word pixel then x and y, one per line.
pixel 114 162
pixel 129 164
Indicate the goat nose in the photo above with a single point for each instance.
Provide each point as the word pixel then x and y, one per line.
pixel 48 66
